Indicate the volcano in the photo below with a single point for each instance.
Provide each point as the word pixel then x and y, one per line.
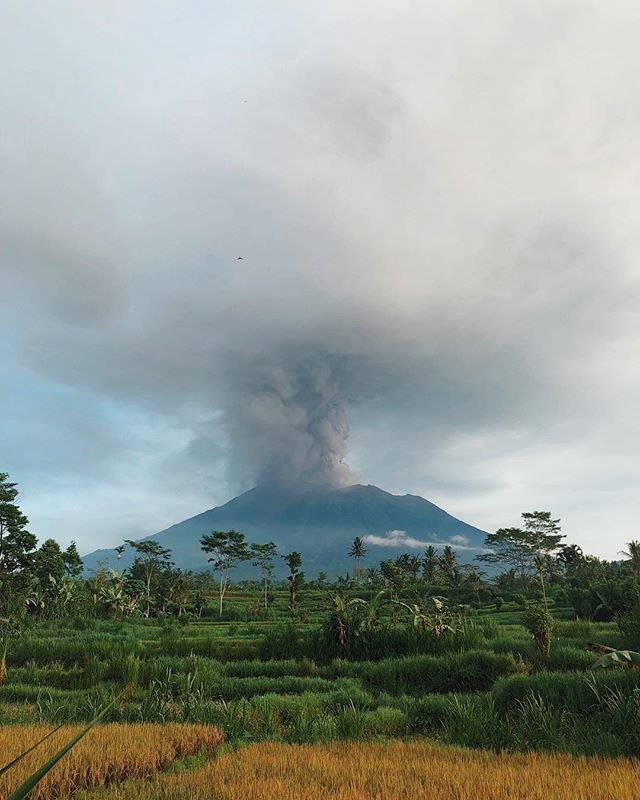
pixel 320 523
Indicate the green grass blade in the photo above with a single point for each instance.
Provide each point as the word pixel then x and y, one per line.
pixel 25 788
pixel 26 752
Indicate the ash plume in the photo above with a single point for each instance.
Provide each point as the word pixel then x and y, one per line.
pixel 288 422
pixel 417 236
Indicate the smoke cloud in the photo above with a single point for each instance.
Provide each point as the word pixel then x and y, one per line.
pixel 236 239
pixel 288 420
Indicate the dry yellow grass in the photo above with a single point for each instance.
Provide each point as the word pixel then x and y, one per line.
pixel 395 771
pixel 108 754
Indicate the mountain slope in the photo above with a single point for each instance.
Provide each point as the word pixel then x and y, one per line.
pixel 320 523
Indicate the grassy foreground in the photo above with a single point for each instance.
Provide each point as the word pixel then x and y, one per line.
pixel 108 755
pixel 394 771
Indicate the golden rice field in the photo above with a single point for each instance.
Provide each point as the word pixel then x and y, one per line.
pixel 107 755
pixel 397 771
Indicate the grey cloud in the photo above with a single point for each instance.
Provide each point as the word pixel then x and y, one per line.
pixel 436 219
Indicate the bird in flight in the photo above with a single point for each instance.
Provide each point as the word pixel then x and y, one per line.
pixel 239 258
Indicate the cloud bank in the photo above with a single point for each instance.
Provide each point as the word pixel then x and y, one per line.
pixel 434 208
pixel 402 539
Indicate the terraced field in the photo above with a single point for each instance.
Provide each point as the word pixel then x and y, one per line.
pixel 270 689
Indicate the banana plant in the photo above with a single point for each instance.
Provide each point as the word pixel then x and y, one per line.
pixel 434 616
pixel 627 659
pixel 36 602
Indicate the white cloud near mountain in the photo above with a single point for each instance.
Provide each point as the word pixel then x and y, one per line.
pixel 402 539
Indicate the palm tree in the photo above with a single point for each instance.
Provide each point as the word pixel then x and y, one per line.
pixel 632 554
pixel 413 565
pixel 357 551
pixel 449 565
pixel 430 564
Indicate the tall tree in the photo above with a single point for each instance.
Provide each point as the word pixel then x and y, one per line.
pixel 518 548
pixel 295 578
pixel 48 563
pixel 544 530
pixel 357 551
pixel 263 558
pixel 509 547
pixel 226 550
pixel 151 557
pixel 73 565
pixel 16 543
pixel 179 587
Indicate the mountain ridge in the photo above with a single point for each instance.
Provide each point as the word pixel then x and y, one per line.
pixel 320 522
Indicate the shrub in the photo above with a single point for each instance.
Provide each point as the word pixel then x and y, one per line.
pixel 539 622
pixel 350 722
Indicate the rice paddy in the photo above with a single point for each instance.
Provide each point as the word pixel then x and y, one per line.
pixel 388 771
pixel 109 754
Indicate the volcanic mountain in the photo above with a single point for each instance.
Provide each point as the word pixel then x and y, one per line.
pixel 320 523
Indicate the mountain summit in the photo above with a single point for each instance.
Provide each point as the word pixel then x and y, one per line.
pixel 320 523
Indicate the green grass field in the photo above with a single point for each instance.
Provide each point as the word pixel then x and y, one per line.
pixel 483 686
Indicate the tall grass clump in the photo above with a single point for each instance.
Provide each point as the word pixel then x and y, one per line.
pixel 476 670
pixel 570 691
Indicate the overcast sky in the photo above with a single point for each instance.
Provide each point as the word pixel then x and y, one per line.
pixel 436 210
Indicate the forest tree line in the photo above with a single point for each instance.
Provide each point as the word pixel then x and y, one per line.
pixel 530 562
